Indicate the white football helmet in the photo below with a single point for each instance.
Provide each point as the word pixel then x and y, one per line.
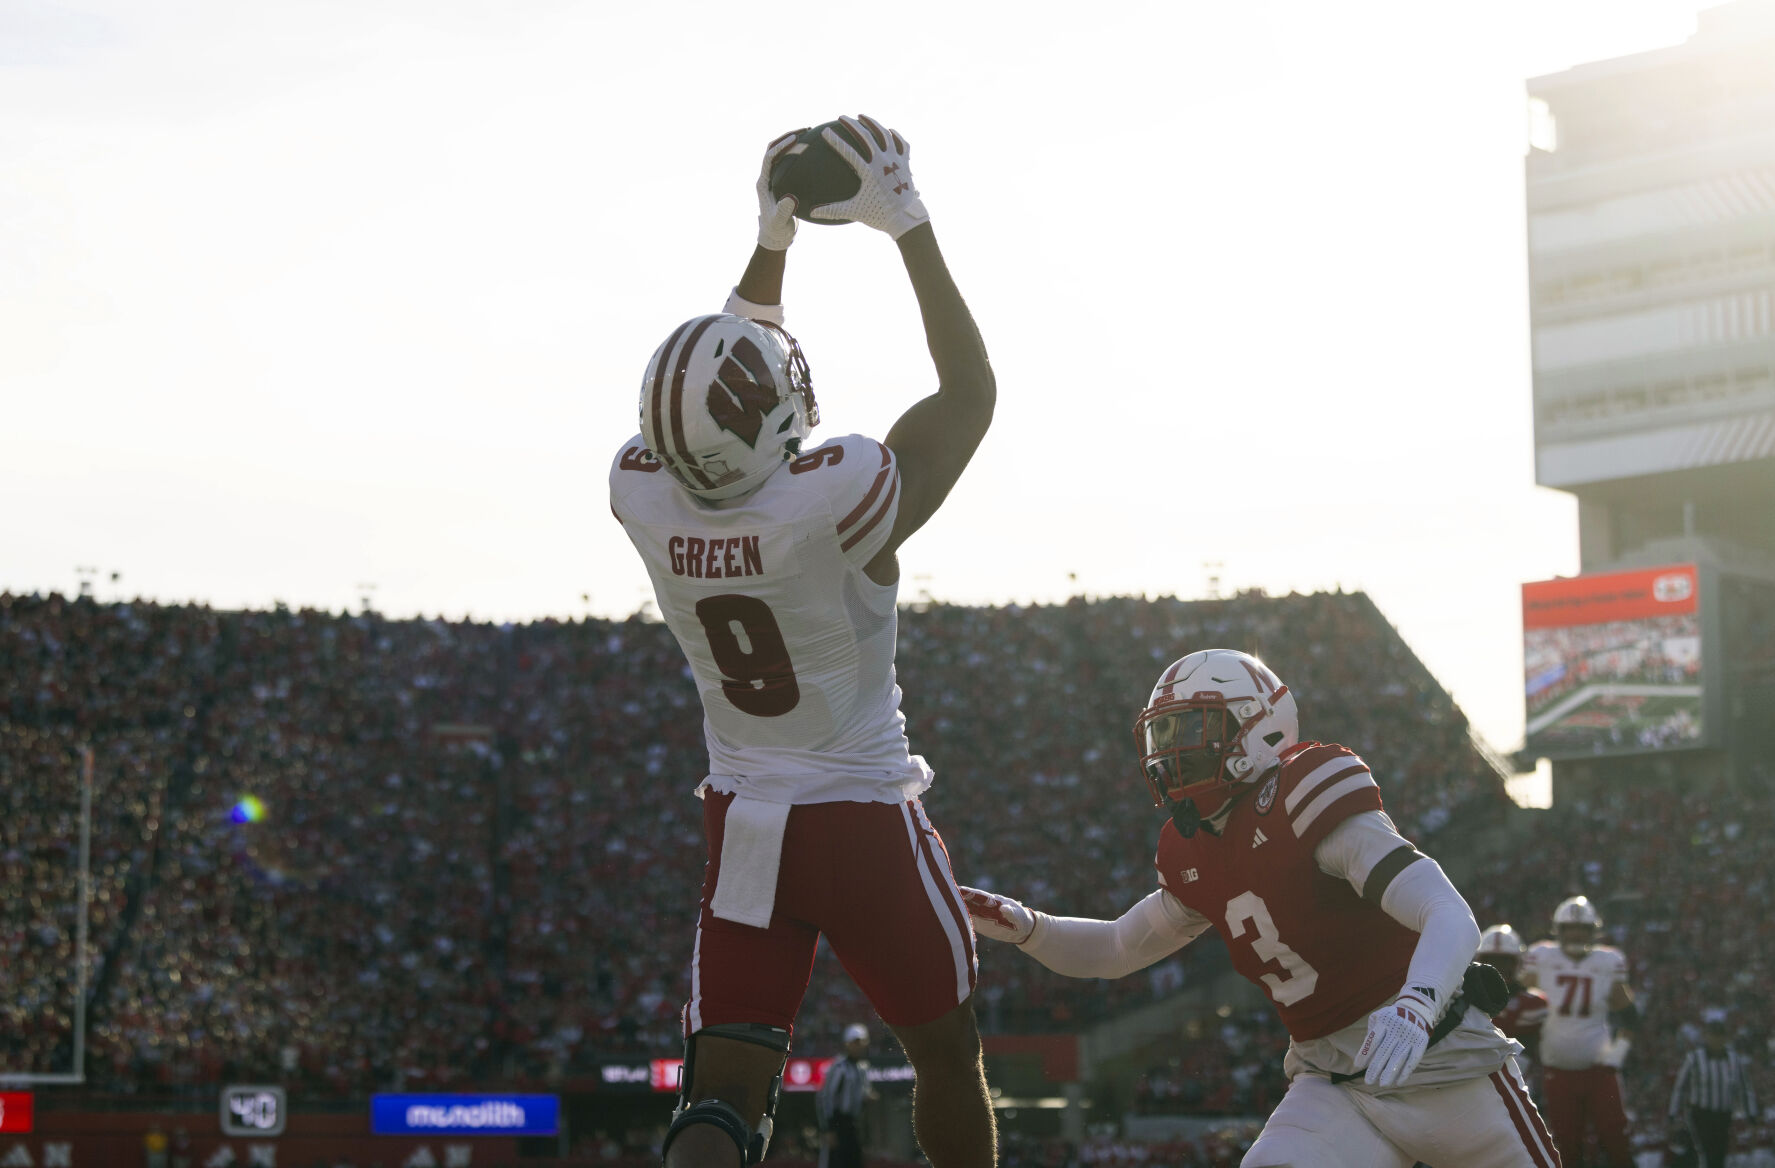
pixel 1500 941
pixel 725 402
pixel 1216 720
pixel 1575 923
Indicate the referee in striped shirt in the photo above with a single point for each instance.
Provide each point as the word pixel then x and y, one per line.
pixel 1713 1083
pixel 840 1102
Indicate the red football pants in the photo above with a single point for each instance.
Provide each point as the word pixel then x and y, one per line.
pixel 875 879
pixel 1577 1100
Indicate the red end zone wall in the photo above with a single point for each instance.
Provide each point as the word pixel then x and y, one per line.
pixel 73 1139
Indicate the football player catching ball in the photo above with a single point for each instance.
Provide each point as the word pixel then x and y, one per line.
pixel 1358 939
pixel 775 568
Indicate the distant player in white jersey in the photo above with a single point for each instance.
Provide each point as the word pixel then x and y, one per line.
pixel 1590 1014
pixel 775 568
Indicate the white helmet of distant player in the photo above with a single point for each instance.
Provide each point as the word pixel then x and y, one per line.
pixel 1501 941
pixel 1217 719
pixel 1501 948
pixel 725 402
pixel 1575 923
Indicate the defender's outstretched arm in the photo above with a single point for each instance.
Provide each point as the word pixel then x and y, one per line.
pixel 1155 927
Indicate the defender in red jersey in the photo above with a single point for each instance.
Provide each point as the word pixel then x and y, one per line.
pixel 1282 847
pixel 1521 1018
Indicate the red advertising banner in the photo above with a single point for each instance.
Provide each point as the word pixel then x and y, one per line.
pixel 799 1074
pixel 16 1110
pixel 1613 596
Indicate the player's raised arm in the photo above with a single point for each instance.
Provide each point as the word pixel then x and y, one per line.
pixel 1156 927
pixel 932 441
pixel 759 294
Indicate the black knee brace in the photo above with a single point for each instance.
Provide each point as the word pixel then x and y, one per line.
pixel 723 1116
pixel 752 1144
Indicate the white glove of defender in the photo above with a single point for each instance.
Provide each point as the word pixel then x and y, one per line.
pixel 776 217
pixel 887 200
pixel 998 917
pixel 1398 1035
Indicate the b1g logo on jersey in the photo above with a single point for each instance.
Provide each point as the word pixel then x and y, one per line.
pixel 1266 796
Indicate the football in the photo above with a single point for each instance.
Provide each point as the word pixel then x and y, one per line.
pixel 813 173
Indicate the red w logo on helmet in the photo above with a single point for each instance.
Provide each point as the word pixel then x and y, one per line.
pixel 743 392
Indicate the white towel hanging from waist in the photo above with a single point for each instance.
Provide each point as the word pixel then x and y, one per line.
pixel 751 852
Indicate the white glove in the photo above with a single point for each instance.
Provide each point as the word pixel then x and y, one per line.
pixel 776 217
pixel 1614 1052
pixel 998 917
pixel 887 200
pixel 1398 1035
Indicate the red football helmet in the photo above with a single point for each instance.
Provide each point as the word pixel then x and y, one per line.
pixel 1217 719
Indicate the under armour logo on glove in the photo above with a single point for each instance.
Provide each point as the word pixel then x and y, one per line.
pixel 886 199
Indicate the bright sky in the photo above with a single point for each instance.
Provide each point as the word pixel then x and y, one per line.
pixel 296 296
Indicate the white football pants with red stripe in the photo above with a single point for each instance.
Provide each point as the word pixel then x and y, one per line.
pixel 1486 1122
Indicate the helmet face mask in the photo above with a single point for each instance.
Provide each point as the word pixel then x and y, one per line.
pixel 1576 925
pixel 1576 940
pixel 1217 719
pixel 725 402
pixel 1192 743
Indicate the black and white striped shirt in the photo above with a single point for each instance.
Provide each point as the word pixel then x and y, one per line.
pixel 843 1091
pixel 1714 1082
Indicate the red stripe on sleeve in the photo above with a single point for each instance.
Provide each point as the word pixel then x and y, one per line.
pixel 861 508
pixel 887 505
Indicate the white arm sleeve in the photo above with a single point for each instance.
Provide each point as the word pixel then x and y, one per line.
pixel 1420 897
pixel 1157 926
pixel 738 305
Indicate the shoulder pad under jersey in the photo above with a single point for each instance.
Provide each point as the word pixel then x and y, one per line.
pixel 1322 785
pixel 860 480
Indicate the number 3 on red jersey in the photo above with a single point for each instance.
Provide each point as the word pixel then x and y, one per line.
pixel 1302 978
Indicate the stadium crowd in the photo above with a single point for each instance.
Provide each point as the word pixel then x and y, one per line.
pixel 1685 890
pixel 474 852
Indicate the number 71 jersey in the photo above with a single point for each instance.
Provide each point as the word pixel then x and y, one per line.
pixel 790 643
pixel 1578 991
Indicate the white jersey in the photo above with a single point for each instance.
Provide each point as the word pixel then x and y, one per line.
pixel 791 645
pixel 1578 991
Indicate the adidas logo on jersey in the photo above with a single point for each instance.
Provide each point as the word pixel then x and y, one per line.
pixel 1259 838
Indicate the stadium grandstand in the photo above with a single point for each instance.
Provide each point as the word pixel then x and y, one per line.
pixel 349 855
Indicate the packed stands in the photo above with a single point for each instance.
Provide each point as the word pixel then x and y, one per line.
pixel 1682 879
pixel 479 855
